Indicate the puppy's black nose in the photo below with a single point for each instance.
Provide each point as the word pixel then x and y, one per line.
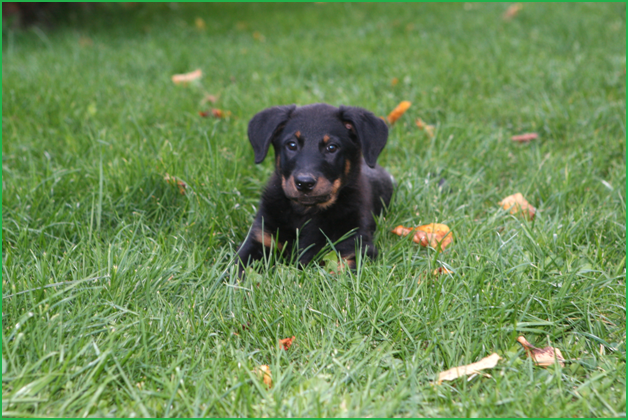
pixel 305 183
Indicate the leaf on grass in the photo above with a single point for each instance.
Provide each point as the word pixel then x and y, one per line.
pixel 258 36
pixel 512 11
pixel 544 357
pixel 263 372
pixel 173 180
pixel 210 98
pixel 187 77
pixel 516 203
pixel 429 129
pixel 396 113
pixel 394 81
pixel 442 270
pixel 215 112
pixel 85 41
pixel 488 362
pixel 200 24
pixel 402 230
pixel 524 138
pixel 286 342
pixel 434 235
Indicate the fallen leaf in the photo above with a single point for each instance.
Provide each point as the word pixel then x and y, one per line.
pixel 544 357
pixel 210 98
pixel 429 129
pixel 488 362
pixel 173 180
pixel 516 203
pixel 402 230
pixel 286 342
pixel 394 81
pixel 398 111
pixel 187 77
pixel 264 372
pixel 215 112
pixel 524 138
pixel 200 23
pixel 85 41
pixel 434 235
pixel 258 36
pixel 442 270
pixel 512 11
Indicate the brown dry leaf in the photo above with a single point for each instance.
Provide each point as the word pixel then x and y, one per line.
pixel 286 342
pixel 398 111
pixel 515 203
pixel 173 180
pixel 187 77
pixel 264 372
pixel 394 81
pixel 512 11
pixel 442 270
pixel 524 138
pixel 488 362
pixel 434 234
pixel 544 357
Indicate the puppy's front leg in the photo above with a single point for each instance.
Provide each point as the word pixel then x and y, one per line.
pixel 252 249
pixel 360 242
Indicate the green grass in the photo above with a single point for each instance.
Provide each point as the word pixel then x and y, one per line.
pixel 116 295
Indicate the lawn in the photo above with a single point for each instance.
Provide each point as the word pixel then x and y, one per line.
pixel 118 295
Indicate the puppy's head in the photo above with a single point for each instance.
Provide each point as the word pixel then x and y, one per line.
pixel 318 148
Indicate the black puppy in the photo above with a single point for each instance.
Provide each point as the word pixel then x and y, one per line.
pixel 326 181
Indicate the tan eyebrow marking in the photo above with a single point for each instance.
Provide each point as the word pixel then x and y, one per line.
pixel 326 138
pixel 297 134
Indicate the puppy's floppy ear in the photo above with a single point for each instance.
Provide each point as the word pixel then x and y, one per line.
pixel 263 127
pixel 372 132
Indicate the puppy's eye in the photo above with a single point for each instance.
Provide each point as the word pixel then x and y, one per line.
pixel 331 148
pixel 291 145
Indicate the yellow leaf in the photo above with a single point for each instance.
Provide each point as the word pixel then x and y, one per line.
pixel 488 362
pixel 200 23
pixel 434 234
pixel 187 77
pixel 264 373
pixel 516 203
pixel 442 270
pixel 512 11
pixel 399 110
